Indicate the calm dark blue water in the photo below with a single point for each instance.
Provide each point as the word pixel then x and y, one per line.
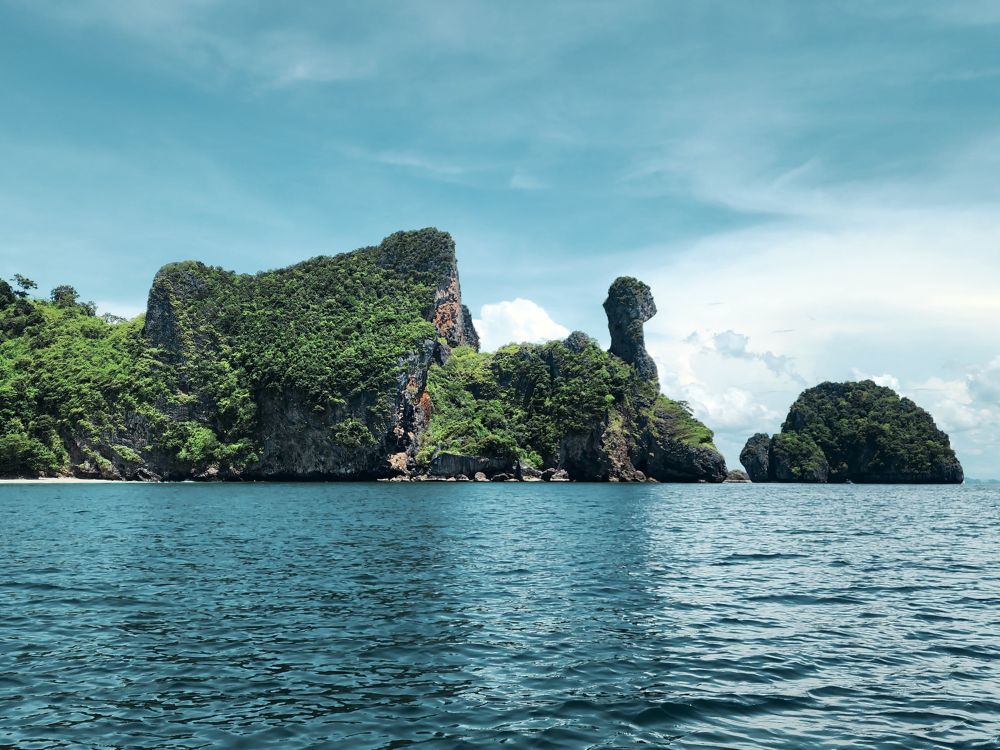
pixel 537 616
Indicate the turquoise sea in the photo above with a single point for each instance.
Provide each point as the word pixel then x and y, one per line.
pixel 521 615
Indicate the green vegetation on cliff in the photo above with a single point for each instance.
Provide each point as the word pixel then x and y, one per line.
pixel 331 327
pixel 523 400
pixel 867 429
pixel 331 330
pixel 355 366
pixel 190 377
pixel 798 458
pixel 673 420
pixel 65 373
pixel 859 432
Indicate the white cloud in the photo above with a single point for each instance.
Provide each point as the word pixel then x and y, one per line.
pixel 984 383
pixel 735 396
pixel 518 321
pixel 885 379
pixel 950 402
pixel 728 410
pixel 199 34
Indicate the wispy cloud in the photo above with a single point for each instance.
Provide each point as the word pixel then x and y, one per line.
pixel 433 166
pixel 522 180
pixel 737 345
pixel 200 35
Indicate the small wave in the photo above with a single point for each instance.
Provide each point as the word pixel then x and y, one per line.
pixel 806 599
pixel 725 706
pixel 740 557
pixel 971 652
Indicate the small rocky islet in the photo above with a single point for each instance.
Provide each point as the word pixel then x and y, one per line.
pixel 857 432
pixel 366 365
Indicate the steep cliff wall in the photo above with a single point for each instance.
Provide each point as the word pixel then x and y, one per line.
pixel 323 363
pixel 313 371
pixel 628 306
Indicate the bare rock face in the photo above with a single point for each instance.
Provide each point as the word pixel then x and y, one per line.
pixel 451 317
pixel 784 459
pixel 175 286
pixel 756 457
pixel 583 455
pixel 528 472
pixel 432 254
pixel 629 305
pixel 470 337
pixel 673 461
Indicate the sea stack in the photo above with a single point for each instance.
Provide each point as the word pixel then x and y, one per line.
pixel 628 306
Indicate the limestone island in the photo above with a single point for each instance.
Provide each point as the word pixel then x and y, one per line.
pixel 359 366
pixel 853 432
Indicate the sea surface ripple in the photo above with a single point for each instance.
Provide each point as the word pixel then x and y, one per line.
pixel 537 616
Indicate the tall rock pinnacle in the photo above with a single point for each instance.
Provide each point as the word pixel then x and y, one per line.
pixel 629 305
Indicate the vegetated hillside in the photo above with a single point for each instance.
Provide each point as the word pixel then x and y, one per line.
pixel 320 371
pixel 283 373
pixel 597 415
pixel 858 432
pixel 302 372
pixel 568 404
pixel 66 379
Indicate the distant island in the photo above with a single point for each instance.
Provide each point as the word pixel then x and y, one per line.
pixel 854 432
pixel 363 365
pixel 366 365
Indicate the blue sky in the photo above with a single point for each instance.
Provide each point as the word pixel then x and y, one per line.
pixel 810 188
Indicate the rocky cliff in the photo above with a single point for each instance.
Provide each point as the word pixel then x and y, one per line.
pixel 363 365
pixel 569 406
pixel 328 358
pixel 853 432
pixel 628 306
